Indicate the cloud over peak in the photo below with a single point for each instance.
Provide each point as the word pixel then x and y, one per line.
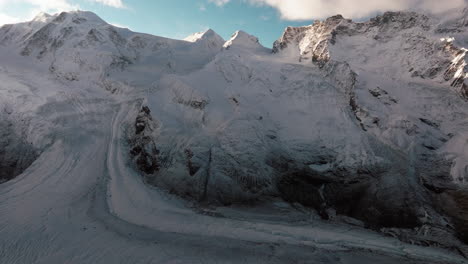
pixel 320 9
pixel 112 3
pixel 32 7
pixel 219 2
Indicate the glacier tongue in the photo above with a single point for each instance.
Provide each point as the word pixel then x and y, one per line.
pixel 362 124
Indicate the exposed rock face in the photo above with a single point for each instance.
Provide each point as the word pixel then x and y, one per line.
pixel 464 89
pixel 383 196
pixel 459 212
pixel 311 41
pixel 16 154
pixel 143 148
pixel 410 36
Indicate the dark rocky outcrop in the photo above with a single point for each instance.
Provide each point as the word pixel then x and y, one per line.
pixel 143 148
pixel 16 155
pixel 377 198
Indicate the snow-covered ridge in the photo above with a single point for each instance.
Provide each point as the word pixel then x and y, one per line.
pixel 77 44
pixel 203 35
pixel 411 40
pixel 242 39
pixel 42 17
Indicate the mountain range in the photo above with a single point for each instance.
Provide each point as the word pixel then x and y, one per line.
pixel 347 142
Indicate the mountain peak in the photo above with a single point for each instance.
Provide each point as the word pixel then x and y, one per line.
pixel 78 17
pixel 242 39
pixel 41 17
pixel 207 34
pixel 335 18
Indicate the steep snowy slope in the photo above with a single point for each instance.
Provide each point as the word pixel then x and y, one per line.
pixel 362 124
pixel 406 71
pixel 80 45
pixel 391 53
pixel 16 151
pixel 346 126
pixel 410 44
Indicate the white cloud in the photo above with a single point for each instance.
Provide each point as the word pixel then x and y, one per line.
pixel 46 6
pixel 112 3
pixel 6 19
pixel 219 2
pixel 33 7
pixel 319 9
pixel 54 5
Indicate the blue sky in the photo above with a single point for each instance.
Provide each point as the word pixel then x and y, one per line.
pixel 179 18
pixel 265 19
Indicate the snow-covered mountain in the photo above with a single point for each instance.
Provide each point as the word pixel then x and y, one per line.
pixel 363 124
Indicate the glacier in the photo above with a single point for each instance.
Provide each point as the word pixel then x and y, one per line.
pixel 345 143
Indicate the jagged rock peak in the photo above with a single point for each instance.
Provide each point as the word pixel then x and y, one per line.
pixel 305 36
pixel 400 20
pixel 313 36
pixel 455 23
pixel 242 39
pixel 430 51
pixel 336 19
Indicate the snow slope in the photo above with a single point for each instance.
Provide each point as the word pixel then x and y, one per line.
pixel 225 123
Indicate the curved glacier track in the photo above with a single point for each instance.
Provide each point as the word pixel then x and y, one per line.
pixel 80 203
